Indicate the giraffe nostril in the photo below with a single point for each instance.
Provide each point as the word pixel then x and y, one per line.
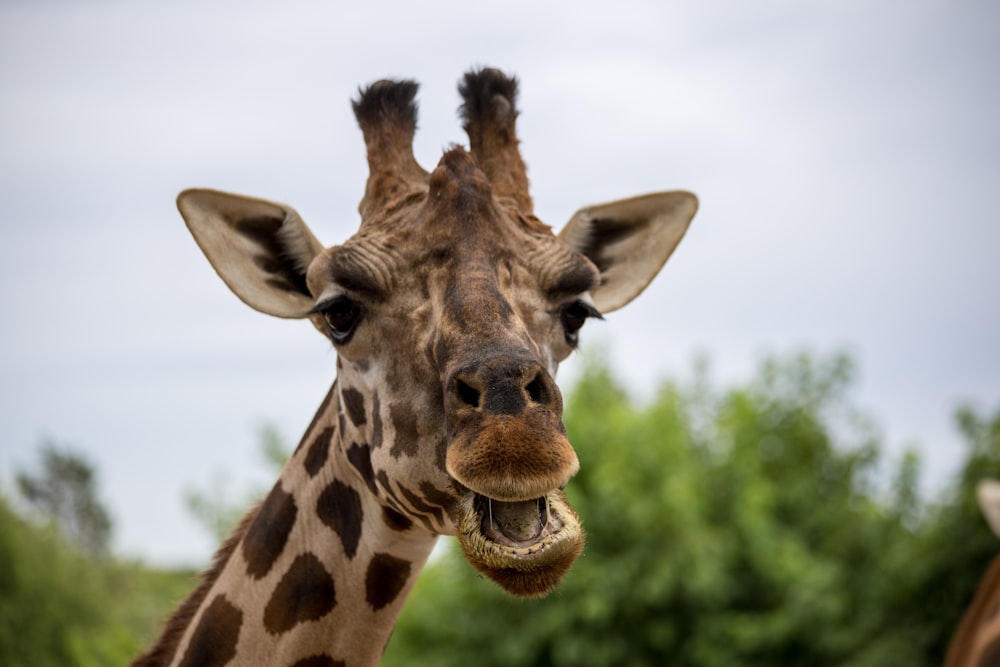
pixel 469 394
pixel 537 391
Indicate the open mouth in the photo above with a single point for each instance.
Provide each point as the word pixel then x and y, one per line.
pixel 524 526
pixel 525 546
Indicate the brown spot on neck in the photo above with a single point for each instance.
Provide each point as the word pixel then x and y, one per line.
pixel 404 419
pixel 354 403
pixel 305 593
pixel 385 580
pixel 339 507
pixel 267 535
pixel 213 643
pixel 319 451
pixel 319 661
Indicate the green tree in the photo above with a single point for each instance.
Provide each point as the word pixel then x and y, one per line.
pixel 954 545
pixel 64 598
pixel 745 527
pixel 64 492
pixel 56 606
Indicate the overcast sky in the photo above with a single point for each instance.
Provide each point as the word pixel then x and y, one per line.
pixel 845 154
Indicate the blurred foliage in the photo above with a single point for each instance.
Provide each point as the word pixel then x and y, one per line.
pixel 745 527
pixel 64 493
pixel 64 600
pixel 62 605
pixel 759 525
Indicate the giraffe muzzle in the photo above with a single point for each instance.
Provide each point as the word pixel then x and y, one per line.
pixel 524 546
pixel 509 458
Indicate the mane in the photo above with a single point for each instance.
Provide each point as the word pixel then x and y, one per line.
pixel 163 652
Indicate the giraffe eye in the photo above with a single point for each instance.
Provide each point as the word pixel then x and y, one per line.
pixel 342 316
pixel 572 316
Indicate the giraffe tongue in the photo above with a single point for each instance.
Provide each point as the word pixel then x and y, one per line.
pixel 514 523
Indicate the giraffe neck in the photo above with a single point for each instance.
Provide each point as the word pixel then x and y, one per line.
pixel 316 574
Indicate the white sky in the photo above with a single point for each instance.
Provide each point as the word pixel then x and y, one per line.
pixel 845 153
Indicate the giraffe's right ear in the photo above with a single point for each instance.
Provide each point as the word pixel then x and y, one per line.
pixel 629 241
pixel 988 495
pixel 260 249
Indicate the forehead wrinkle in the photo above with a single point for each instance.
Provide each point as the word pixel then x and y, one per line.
pixel 561 272
pixel 571 279
pixel 363 268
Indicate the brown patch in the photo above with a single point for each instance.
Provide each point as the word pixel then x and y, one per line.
pixel 268 534
pixel 438 497
pixel 404 419
pixel 395 520
pixel 339 507
pixel 418 504
pixel 386 485
pixel 305 593
pixel 319 451
pixel 394 505
pixel 319 661
pixel 354 402
pixel 397 502
pixel 386 577
pixel 360 457
pixel 990 654
pixel 441 452
pixel 214 640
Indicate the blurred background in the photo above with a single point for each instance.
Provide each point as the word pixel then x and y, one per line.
pixel 845 155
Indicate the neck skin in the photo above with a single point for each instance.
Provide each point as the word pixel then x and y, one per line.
pixel 319 570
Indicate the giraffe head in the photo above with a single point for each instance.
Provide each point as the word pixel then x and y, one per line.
pixel 450 310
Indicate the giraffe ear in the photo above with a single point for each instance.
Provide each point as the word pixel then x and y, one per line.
pixel 260 249
pixel 988 495
pixel 629 241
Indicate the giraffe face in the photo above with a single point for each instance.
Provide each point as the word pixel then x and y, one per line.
pixel 450 318
pixel 450 310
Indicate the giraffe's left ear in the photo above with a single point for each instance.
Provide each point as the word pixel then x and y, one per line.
pixel 629 241
pixel 988 496
pixel 260 249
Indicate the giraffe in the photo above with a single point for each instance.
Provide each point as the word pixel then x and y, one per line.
pixel 976 642
pixel 449 310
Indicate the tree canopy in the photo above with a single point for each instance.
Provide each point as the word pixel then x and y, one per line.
pixel 64 599
pixel 754 526
pixel 762 524
pixel 64 492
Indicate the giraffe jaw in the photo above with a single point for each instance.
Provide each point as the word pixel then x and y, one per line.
pixel 525 547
